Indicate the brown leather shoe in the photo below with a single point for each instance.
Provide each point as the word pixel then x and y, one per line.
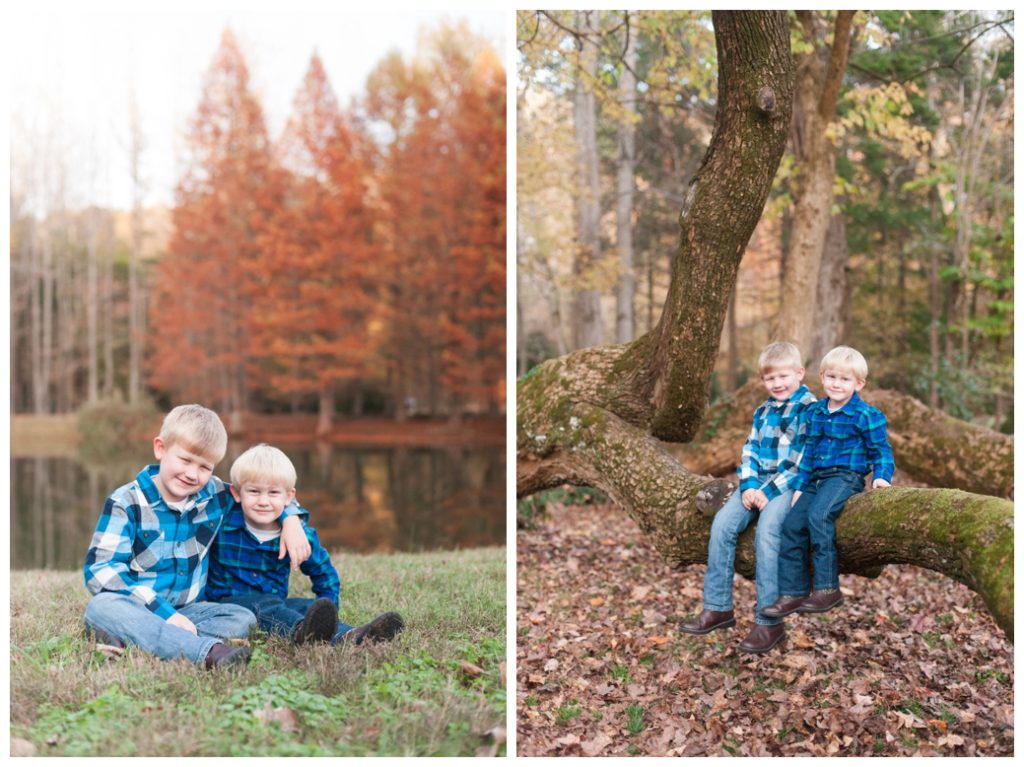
pixel 708 621
pixel 783 606
pixel 382 628
pixel 222 656
pixel 763 638
pixel 821 601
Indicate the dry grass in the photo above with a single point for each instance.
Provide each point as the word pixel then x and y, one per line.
pixel 409 697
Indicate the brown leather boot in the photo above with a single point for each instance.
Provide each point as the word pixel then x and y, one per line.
pixel 223 656
pixel 708 621
pixel 820 601
pixel 783 606
pixel 763 638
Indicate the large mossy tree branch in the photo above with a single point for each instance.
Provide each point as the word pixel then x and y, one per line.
pixel 964 536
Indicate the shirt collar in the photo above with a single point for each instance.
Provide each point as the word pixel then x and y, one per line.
pixel 235 520
pixel 146 480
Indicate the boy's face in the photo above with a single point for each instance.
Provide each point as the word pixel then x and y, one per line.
pixel 840 385
pixel 262 503
pixel 782 382
pixel 182 472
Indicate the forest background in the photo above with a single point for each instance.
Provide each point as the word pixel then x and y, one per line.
pixel 891 220
pixel 353 264
pixel 916 270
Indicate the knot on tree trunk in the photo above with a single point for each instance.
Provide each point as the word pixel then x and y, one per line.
pixel 713 496
pixel 766 101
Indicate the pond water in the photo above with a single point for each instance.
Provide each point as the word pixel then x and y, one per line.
pixel 361 500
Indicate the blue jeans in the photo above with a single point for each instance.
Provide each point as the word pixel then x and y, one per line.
pixel 813 520
pixel 123 617
pixel 278 616
pixel 731 520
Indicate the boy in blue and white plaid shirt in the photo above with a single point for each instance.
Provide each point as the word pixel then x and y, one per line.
pixel 147 563
pixel 846 440
pixel 767 469
pixel 246 571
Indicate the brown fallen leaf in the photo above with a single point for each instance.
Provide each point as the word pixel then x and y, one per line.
pixel 597 601
pixel 470 669
pixel 286 718
pixel 595 746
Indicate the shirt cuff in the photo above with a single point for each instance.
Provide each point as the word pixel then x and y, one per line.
pixel 750 483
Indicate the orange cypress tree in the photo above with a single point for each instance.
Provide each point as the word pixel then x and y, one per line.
pixel 200 312
pixel 313 331
pixel 442 183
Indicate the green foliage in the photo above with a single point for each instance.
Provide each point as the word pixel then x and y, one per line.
pixel 112 427
pixel 635 723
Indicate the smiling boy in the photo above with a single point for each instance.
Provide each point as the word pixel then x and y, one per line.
pixel 846 440
pixel 246 571
pixel 768 466
pixel 147 562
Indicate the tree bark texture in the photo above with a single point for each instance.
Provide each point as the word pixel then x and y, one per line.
pixel 832 291
pixel 595 417
pixel 814 107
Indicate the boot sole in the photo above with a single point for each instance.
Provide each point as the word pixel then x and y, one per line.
pixel 762 650
pixel 819 609
pixel 724 625
pixel 322 623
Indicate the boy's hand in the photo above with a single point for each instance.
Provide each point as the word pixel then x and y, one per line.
pixel 747 498
pixel 880 483
pixel 294 542
pixel 182 622
pixel 796 494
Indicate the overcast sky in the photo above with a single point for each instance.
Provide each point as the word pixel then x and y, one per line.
pixel 72 68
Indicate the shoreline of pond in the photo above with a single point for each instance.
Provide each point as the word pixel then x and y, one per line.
pixel 57 435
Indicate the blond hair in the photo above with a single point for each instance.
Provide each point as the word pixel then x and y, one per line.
pixel 263 464
pixel 196 429
pixel 846 359
pixel 781 354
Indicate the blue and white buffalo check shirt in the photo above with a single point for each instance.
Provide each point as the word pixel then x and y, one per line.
pixel 145 549
pixel 242 564
pixel 852 438
pixel 772 451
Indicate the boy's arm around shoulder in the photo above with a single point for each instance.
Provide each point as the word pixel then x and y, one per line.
pixel 294 543
pixel 108 560
pixel 320 569
pixel 876 442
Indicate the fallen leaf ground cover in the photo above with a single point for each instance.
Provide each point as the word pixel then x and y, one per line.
pixel 910 664
pixel 439 689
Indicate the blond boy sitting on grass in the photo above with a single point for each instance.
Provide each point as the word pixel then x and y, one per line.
pixel 147 563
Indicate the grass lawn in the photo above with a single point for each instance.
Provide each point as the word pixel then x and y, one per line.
pixel 437 690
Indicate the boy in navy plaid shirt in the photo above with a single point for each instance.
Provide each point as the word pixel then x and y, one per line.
pixel 147 563
pixel 246 571
pixel 846 440
pixel 767 469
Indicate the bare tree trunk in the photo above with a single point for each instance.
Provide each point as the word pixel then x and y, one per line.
pixel 587 323
pixel 136 310
pixel 92 309
pixel 626 288
pixel 817 91
pixel 325 412
pixel 831 294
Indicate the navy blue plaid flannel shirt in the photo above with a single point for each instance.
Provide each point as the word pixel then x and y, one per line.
pixel 241 564
pixel 853 438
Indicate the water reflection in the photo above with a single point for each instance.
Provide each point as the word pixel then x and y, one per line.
pixel 388 499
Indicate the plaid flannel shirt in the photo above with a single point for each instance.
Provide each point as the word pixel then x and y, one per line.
pixel 145 549
pixel 242 564
pixel 772 451
pixel 853 438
